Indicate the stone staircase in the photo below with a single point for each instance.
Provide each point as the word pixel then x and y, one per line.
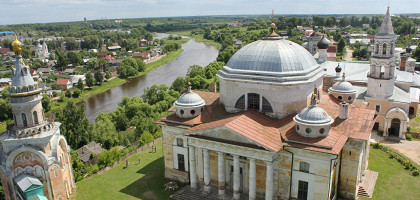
pixel 367 185
pixel 186 193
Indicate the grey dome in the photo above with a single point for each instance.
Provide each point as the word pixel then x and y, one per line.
pixel 272 56
pixel 189 99
pixel 342 87
pixel 313 115
pixel 323 43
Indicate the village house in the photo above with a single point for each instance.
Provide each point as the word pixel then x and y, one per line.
pixel 66 83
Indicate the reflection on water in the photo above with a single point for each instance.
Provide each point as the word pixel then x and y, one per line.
pixel 194 53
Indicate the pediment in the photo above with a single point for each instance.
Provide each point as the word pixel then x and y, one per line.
pixel 223 133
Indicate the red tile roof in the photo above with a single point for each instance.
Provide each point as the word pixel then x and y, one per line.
pixel 61 81
pixel 272 133
pixel 4 50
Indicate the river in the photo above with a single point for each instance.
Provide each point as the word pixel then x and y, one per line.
pixel 194 53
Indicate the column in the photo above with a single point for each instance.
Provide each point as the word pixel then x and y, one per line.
pixel 246 101
pixel 269 182
pixel 236 177
pixel 207 186
pixel 221 172
pixel 252 179
pixel 193 173
pixel 260 102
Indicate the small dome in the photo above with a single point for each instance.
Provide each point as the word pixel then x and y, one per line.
pixel 323 43
pixel 338 68
pixel 189 104
pixel 342 87
pixel 189 99
pixel 313 115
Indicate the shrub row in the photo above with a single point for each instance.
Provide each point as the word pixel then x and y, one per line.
pixel 407 164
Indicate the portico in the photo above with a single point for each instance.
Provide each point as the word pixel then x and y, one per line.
pixel 244 168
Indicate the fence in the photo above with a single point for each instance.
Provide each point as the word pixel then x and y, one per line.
pixel 146 146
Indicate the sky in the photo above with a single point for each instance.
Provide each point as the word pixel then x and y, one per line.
pixel 44 11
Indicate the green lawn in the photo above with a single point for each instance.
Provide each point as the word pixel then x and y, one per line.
pixel 135 182
pixel 394 182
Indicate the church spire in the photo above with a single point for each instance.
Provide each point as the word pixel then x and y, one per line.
pixel 386 27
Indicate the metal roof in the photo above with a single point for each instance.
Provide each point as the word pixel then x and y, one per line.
pixel 272 56
pixel 24 181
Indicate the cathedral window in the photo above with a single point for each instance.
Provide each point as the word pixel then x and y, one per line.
pixel 378 109
pixel 253 101
pixel 322 130
pixel 340 97
pixel 266 107
pixel 35 117
pixel 24 121
pixel 304 167
pixel 297 127
pixel 377 48
pixel 240 103
pixel 192 112
pixel 182 112
pixel 349 98
pixel 308 130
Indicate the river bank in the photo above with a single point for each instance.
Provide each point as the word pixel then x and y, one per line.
pixel 114 82
pixel 198 38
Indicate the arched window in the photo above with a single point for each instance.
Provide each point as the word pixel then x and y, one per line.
pixel 24 121
pixel 304 167
pixel 253 101
pixel 240 103
pixel 35 117
pixel 377 48
pixel 266 107
pixel 384 49
pixel 392 48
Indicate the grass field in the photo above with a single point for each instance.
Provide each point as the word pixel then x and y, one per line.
pixel 144 181
pixel 394 182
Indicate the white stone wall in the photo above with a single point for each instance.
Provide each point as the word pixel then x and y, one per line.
pixel 380 88
pixel 284 99
pixel 27 105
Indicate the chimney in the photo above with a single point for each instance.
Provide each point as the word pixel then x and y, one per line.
pixel 344 110
pixel 402 62
pixel 213 87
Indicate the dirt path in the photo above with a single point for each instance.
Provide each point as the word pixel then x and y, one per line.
pixel 349 55
pixel 411 149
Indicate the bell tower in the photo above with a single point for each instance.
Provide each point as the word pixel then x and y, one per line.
pixel 381 77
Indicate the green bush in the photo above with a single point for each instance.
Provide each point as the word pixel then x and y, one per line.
pixel 377 146
pixel 415 173
pixel 391 155
pixel 408 128
pixel 408 137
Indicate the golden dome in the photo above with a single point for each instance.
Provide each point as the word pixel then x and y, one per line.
pixel 17 46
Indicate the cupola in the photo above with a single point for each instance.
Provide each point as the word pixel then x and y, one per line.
pixel 189 104
pixel 313 121
pixel 323 43
pixel 343 90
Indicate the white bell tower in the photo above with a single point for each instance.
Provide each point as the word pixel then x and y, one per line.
pixel 381 77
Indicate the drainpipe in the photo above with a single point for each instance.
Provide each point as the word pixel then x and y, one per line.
pixel 291 173
pixel 329 181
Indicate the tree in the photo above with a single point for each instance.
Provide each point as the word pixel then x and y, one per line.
pixel 341 47
pixel 71 43
pixel 416 54
pixel 107 75
pixel 180 84
pixel 102 63
pixel 62 61
pixel 76 93
pixel 196 70
pixel 5 110
pixel 99 78
pixel 104 132
pixel 129 67
pixel 145 138
pixel 46 105
pixel 74 125
pixel 92 63
pixel 89 79
pixel 74 58
pixel 80 85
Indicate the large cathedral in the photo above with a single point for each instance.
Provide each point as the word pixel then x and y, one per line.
pixel 34 156
pixel 287 126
